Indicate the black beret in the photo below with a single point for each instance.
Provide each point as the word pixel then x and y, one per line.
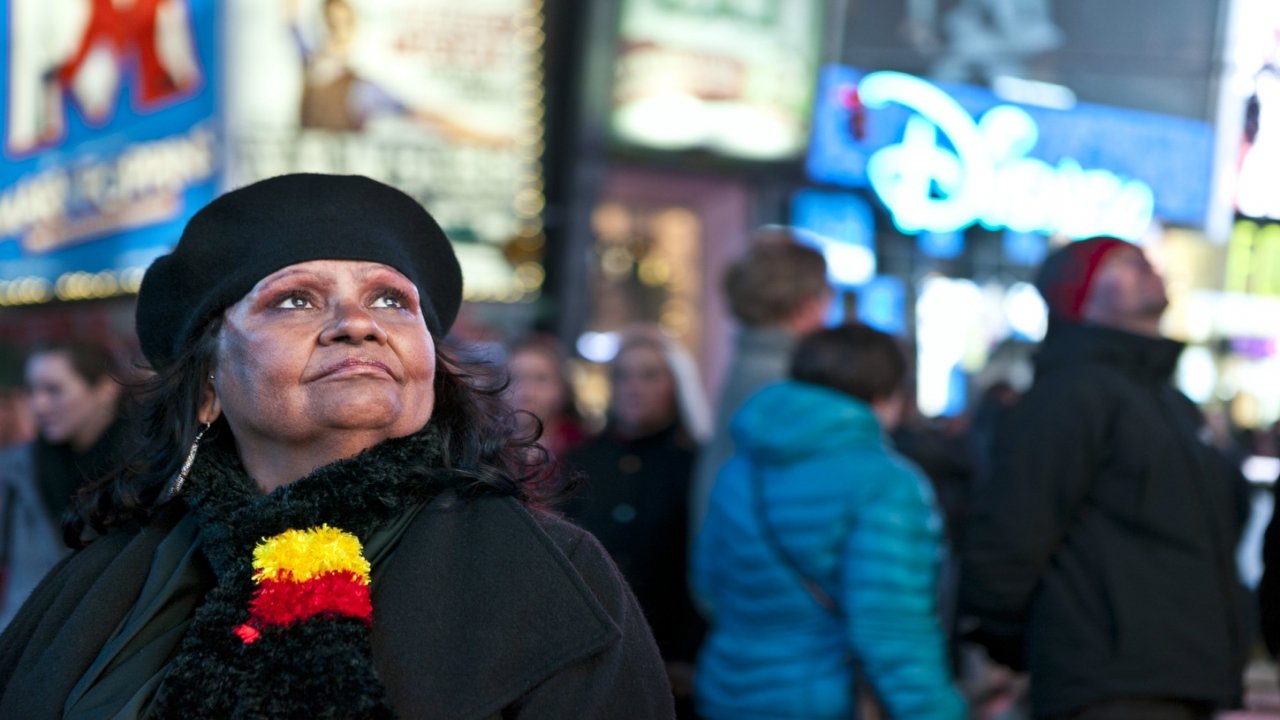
pixel 249 233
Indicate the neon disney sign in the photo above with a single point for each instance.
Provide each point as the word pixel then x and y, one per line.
pixel 988 177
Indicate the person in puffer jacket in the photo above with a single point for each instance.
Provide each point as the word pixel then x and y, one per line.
pixel 820 555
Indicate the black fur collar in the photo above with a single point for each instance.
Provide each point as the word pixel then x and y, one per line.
pixel 320 667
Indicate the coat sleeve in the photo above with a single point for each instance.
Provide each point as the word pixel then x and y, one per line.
pixel 1269 585
pixel 889 584
pixel 1042 467
pixel 18 635
pixel 57 633
pixel 626 679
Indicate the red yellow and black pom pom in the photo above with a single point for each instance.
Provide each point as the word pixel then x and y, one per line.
pixel 306 573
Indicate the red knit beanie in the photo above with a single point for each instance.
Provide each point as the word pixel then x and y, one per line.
pixel 1067 274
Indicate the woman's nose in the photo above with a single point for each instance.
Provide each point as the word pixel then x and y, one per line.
pixel 352 323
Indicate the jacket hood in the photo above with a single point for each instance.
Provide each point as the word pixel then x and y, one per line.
pixel 794 419
pixel 1141 357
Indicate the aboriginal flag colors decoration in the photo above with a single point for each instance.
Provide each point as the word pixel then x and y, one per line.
pixel 301 574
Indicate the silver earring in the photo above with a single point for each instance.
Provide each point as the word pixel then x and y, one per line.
pixel 175 486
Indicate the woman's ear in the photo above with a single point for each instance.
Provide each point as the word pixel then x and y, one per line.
pixel 210 407
pixel 108 391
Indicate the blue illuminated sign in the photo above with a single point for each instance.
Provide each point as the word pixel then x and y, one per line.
pixel 882 304
pixel 1085 171
pixel 957 392
pixel 843 228
pixel 941 245
pixel 1024 248
pixel 110 143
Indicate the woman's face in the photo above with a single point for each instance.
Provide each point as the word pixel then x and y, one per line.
pixel 68 408
pixel 644 392
pixel 536 385
pixel 325 346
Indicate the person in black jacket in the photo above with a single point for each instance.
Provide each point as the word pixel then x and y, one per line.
pixel 1269 584
pixel 326 514
pixel 634 499
pixel 74 389
pixel 76 396
pixel 1101 550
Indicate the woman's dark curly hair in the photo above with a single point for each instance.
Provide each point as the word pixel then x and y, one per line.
pixel 483 451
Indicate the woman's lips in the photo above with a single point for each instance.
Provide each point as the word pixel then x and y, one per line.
pixel 357 366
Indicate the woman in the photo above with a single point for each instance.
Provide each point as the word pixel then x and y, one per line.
pixel 636 498
pixel 74 399
pixel 328 520
pixel 541 389
pixel 819 557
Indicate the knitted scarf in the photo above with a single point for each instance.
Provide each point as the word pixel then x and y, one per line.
pixel 286 630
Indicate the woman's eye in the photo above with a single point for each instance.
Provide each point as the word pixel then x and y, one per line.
pixel 294 302
pixel 389 300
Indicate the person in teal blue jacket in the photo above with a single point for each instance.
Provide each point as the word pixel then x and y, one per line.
pixel 819 558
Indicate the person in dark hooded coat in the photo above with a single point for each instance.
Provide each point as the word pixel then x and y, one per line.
pixel 1100 553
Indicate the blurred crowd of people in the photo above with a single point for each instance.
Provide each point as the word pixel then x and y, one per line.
pixel 60 426
pixel 812 548
pixel 1064 550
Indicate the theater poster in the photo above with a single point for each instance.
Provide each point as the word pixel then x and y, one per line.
pixel 436 97
pixel 109 140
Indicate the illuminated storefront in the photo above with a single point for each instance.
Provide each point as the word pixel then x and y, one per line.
pixel 121 120
pixel 971 190
pixel 1237 316
pixel 702 102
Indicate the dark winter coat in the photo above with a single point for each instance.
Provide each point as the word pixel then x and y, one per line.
pixel 1108 530
pixel 1269 584
pixel 30 539
pixel 37 481
pixel 635 501
pixel 551 629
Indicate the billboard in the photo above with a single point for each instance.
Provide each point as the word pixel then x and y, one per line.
pixel 733 78
pixel 438 98
pixel 110 142
pixel 943 156
pixel 1249 115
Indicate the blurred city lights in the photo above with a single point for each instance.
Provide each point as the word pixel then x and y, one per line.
pixel 1197 374
pixel 1026 312
pixel 849 264
pixel 598 347
pixel 946 323
pixel 1033 92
